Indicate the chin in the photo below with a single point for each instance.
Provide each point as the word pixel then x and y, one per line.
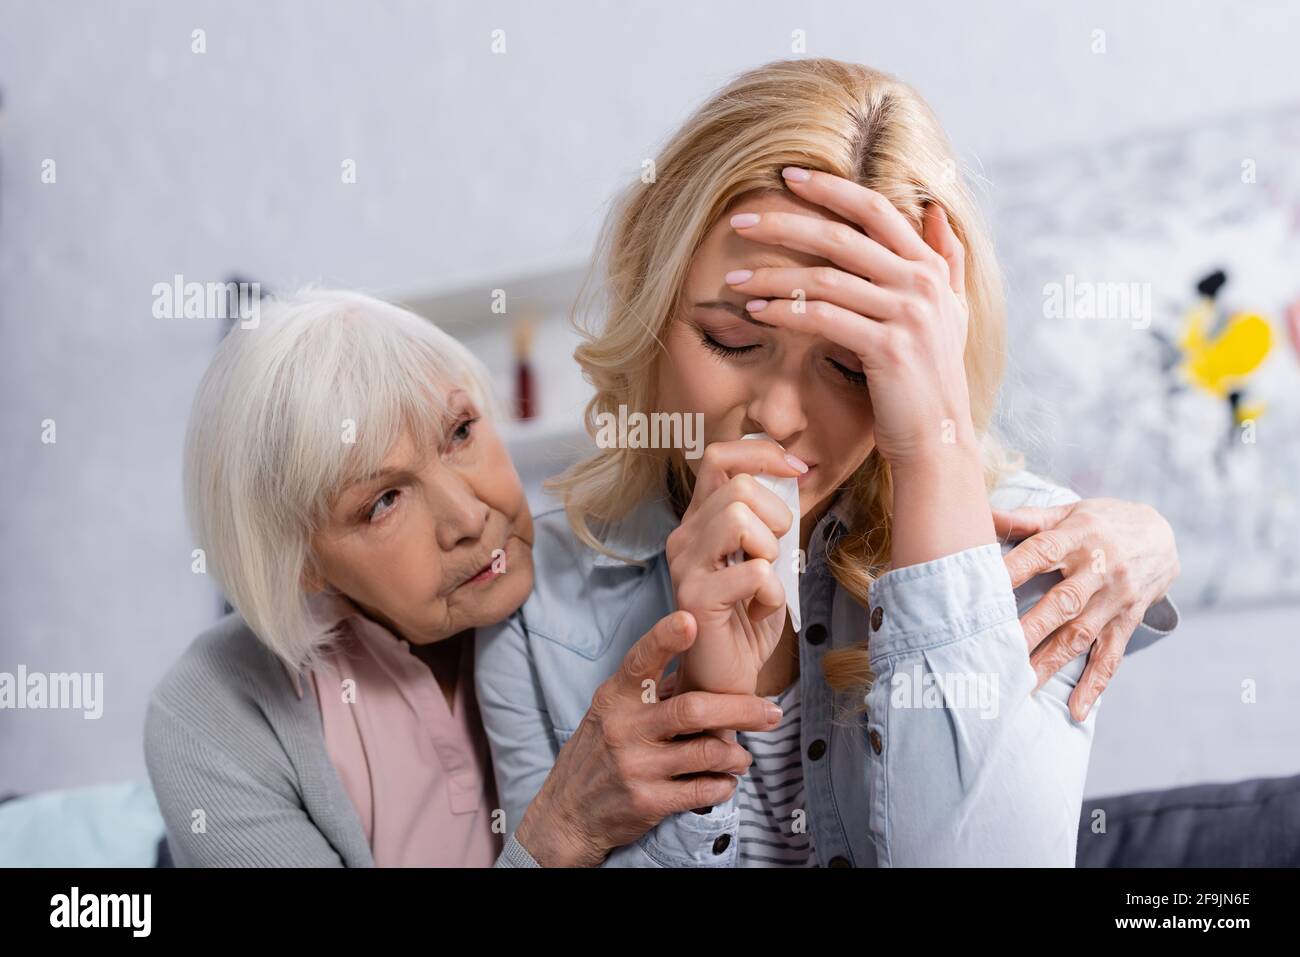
pixel 508 595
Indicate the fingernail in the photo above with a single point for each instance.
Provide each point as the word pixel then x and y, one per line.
pixel 679 625
pixel 741 220
pixel 773 714
pixel 737 276
pixel 1083 712
pixel 796 463
pixel 756 305
pixel 796 175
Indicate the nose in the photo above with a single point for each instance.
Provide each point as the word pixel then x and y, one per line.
pixel 777 409
pixel 460 515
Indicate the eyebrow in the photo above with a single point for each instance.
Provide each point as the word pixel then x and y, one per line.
pixel 407 469
pixel 383 475
pixel 735 310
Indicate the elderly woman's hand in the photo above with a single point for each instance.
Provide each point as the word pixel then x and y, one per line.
pixel 1117 558
pixel 638 756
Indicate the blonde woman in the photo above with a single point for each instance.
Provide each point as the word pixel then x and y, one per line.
pixel 347 485
pixel 808 265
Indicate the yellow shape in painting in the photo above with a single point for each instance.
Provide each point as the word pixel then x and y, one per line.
pixel 1246 413
pixel 1218 365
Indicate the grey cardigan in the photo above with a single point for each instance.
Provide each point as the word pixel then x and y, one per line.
pixel 239 765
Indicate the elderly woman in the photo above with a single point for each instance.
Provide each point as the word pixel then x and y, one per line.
pixel 350 494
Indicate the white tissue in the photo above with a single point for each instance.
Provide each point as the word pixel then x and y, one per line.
pixel 787 571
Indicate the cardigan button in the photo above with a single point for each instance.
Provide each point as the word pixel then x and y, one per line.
pixel 877 616
pixel 722 842
pixel 838 861
pixel 874 737
pixel 816 749
pixel 816 634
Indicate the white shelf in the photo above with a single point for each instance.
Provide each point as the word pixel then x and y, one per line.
pixel 539 447
pixel 465 309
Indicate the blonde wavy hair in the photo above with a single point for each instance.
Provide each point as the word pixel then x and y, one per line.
pixel 822 114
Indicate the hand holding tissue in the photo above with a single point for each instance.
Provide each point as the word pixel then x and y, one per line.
pixel 787 564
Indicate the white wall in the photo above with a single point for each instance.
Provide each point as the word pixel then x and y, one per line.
pixel 171 162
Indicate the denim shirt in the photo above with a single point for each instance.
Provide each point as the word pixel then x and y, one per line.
pixel 952 762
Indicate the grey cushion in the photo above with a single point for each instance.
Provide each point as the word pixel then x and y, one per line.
pixel 1242 824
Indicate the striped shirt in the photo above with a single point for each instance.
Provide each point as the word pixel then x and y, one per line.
pixel 773 817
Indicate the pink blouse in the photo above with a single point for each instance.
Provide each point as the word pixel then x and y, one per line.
pixel 417 771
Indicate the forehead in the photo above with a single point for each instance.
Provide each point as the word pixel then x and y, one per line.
pixel 724 247
pixel 416 431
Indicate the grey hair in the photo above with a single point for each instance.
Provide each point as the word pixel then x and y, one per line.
pixel 289 413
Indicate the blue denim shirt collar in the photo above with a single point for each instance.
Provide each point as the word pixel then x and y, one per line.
pixel 640 535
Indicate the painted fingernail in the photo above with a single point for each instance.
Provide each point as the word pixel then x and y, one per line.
pixel 796 463
pixel 773 714
pixel 737 276
pixel 741 220
pixel 756 305
pixel 796 175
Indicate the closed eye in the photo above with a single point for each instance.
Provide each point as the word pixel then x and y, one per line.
pixel 721 349
pixel 857 378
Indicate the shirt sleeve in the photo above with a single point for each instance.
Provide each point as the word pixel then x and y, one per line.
pixel 967 766
pixel 524 747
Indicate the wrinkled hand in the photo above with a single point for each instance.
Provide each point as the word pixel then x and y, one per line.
pixel 1117 558
pixel 627 767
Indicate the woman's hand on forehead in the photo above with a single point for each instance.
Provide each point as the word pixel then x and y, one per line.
pixel 894 298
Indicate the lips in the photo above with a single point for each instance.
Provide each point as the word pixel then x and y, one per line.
pixel 485 572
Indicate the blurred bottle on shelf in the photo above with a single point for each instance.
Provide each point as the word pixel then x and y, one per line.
pixel 525 387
